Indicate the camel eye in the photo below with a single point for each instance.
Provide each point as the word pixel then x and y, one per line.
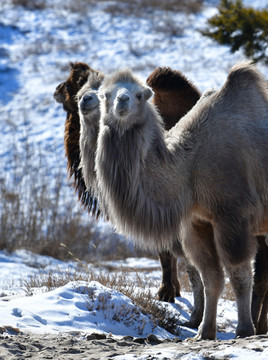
pixel 139 96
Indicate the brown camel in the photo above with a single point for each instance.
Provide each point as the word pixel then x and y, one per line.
pixel 259 304
pixel 65 94
pixel 158 186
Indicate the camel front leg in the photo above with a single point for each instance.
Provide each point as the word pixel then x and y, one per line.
pixel 198 294
pixel 198 244
pixel 170 286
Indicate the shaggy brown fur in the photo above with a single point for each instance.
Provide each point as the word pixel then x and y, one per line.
pixel 260 288
pixel 160 186
pixel 174 94
pixel 65 94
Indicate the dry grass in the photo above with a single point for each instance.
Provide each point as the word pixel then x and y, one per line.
pixel 136 7
pixel 31 4
pixel 126 7
pixel 39 213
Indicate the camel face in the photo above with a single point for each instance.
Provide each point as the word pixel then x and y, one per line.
pixel 122 103
pixel 125 102
pixel 89 103
pixel 59 94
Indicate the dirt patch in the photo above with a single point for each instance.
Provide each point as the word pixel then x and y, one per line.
pixel 97 347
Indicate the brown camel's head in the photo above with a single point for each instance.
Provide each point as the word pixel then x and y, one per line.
pixel 65 92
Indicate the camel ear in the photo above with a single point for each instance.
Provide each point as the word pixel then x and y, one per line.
pixel 147 93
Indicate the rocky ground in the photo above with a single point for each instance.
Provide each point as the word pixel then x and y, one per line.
pixel 17 345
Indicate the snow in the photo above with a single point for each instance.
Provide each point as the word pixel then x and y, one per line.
pixel 78 306
pixel 81 307
pixel 35 48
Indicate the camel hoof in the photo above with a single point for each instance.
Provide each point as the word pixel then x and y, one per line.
pixel 166 293
pixel 245 331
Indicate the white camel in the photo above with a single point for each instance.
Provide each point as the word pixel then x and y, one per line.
pixel 89 115
pixel 210 168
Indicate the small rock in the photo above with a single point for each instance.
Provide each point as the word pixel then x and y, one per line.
pixel 128 338
pixel 177 340
pixel 96 336
pixel 153 339
pixel 139 341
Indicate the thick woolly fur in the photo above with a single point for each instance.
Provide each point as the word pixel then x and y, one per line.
pixel 89 114
pixel 212 166
pixel 174 94
pixel 65 94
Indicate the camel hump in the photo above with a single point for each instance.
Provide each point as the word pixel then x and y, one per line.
pixel 164 78
pixel 243 75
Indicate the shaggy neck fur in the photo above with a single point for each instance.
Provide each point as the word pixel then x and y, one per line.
pixel 152 181
pixel 88 144
pixel 132 171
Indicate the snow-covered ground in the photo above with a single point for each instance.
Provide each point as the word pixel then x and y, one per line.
pixel 35 49
pixel 89 307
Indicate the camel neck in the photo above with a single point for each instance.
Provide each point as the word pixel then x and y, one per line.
pixel 136 174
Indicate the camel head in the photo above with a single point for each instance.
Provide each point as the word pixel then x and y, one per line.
pixel 89 103
pixel 87 97
pixel 123 97
pixel 66 91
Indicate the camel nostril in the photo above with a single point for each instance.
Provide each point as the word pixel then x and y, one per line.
pixel 123 97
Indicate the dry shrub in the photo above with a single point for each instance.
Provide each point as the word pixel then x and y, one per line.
pixel 136 7
pixel 138 290
pixel 39 213
pixel 35 212
pixel 126 7
pixel 30 4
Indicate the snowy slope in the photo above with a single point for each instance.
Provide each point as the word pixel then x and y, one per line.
pixel 35 48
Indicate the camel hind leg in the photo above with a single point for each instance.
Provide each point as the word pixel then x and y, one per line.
pixel 199 246
pixel 262 326
pixel 260 289
pixel 241 281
